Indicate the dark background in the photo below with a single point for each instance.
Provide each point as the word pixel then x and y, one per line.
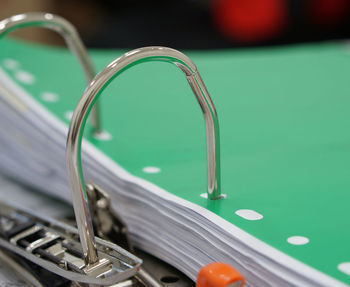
pixel 191 24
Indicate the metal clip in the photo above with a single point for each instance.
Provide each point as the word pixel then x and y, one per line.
pixel 107 223
pixel 110 226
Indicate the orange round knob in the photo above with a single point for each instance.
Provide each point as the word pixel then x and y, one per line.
pixel 219 274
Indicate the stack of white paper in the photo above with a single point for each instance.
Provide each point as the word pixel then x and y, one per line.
pixel 179 232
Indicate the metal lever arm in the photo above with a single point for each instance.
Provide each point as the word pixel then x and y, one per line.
pixel 80 115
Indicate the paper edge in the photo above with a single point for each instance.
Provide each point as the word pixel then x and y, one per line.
pixel 260 247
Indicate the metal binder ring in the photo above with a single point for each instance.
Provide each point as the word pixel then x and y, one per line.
pixel 69 34
pixel 81 112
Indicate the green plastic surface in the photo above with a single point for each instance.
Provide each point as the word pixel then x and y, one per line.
pixel 285 134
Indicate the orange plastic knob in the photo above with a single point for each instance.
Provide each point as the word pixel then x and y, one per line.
pixel 219 274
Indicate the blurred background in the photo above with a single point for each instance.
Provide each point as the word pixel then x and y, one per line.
pixel 190 24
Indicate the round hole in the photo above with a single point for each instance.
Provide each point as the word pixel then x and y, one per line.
pixel 49 97
pixel 298 240
pixel 169 279
pixel 25 77
pixel 151 169
pixel 249 214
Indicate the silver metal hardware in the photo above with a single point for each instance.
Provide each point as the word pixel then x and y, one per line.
pixel 81 112
pixel 152 273
pixel 107 223
pixel 55 247
pixel 71 37
pixel 109 226
pixel 17 269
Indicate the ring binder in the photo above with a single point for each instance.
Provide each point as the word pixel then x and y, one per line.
pixel 81 112
pixel 165 212
pixel 71 37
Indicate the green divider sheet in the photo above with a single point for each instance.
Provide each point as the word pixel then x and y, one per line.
pixel 284 115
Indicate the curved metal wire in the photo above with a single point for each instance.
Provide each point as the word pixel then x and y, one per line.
pixel 69 34
pixel 94 90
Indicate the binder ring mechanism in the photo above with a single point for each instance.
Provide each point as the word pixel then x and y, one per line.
pixel 81 113
pixel 71 37
pixel 55 245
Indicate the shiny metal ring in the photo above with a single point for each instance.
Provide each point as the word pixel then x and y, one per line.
pixel 69 34
pixel 81 112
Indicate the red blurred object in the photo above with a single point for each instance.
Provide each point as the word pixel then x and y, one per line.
pixel 251 21
pixel 327 12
